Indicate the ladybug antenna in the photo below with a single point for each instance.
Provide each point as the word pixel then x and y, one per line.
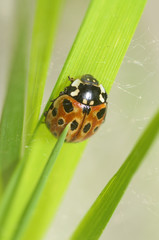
pixel 70 79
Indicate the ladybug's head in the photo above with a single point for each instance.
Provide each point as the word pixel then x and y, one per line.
pixel 89 79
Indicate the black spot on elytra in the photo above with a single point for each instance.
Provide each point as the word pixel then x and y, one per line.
pixel 74 125
pixel 67 106
pixel 101 113
pixel 86 127
pixel 60 121
pixel 55 134
pixel 54 112
pixel 96 129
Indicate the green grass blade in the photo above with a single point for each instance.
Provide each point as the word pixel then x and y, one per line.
pixel 102 41
pixel 98 49
pixel 39 187
pixel 47 12
pixel 98 216
pixel 13 111
pixel 9 194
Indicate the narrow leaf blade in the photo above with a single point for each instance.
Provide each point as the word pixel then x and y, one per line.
pixel 45 23
pixel 89 54
pixel 94 222
pixel 98 49
pixel 13 111
pixel 30 208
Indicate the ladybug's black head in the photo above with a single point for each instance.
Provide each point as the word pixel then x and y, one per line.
pixel 89 79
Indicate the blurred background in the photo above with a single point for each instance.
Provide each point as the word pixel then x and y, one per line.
pixel 133 100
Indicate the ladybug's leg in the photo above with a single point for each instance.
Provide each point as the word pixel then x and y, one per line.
pixel 51 107
pixel 61 93
pixel 45 113
pixel 71 79
pixel 64 92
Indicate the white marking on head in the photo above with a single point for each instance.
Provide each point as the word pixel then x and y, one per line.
pixel 76 83
pixel 101 98
pixel 102 88
pixel 91 103
pixel 75 93
pixel 84 101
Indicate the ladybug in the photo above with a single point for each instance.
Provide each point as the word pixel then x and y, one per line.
pixel 82 104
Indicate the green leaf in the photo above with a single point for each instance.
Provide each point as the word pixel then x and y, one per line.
pixel 13 111
pixel 9 194
pixel 45 23
pixel 98 49
pixel 94 222
pixel 28 211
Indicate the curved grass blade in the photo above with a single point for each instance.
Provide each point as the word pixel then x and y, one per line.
pixel 45 23
pixel 13 111
pixel 98 49
pixel 28 211
pixel 9 195
pixel 94 222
